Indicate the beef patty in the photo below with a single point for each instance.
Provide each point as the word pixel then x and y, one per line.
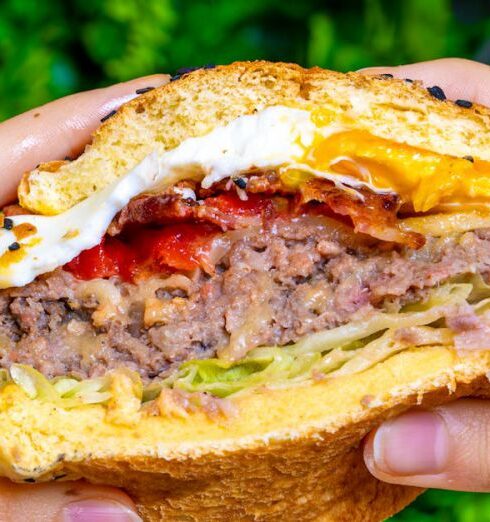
pixel 270 287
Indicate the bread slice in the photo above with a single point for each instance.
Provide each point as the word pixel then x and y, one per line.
pixel 204 99
pixel 287 454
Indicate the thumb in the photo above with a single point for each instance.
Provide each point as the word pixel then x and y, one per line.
pixel 64 502
pixel 446 448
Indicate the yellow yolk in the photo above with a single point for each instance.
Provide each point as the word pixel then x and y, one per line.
pixel 10 257
pixel 24 230
pixel 424 178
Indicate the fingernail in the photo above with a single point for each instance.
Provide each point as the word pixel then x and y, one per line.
pixel 153 80
pixel 129 90
pixel 413 444
pixel 93 510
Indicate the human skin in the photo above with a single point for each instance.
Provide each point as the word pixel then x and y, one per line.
pixel 445 448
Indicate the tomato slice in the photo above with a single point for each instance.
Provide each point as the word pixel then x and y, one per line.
pixel 230 203
pixel 175 247
pixel 181 247
pixel 109 258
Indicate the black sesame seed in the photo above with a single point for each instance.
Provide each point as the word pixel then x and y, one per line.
pixel 190 202
pixel 14 246
pixel 469 158
pixel 107 116
pixel 185 70
pixel 464 103
pixel 30 480
pixel 386 76
pixel 8 224
pixel 144 89
pixel 58 477
pixel 437 92
pixel 240 182
pixel 408 80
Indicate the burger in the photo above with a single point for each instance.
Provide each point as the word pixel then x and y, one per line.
pixel 247 270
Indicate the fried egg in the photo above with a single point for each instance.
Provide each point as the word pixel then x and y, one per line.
pixel 288 139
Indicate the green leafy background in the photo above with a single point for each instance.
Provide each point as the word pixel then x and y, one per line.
pixel 50 49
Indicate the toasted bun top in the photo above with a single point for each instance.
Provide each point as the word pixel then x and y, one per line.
pixel 204 99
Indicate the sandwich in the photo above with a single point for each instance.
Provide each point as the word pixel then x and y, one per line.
pixel 246 271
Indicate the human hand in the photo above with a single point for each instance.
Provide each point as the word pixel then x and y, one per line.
pixel 54 131
pixel 448 447
pixel 64 502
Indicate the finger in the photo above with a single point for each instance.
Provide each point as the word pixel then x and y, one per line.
pixel 459 78
pixel 447 448
pixel 59 129
pixel 64 502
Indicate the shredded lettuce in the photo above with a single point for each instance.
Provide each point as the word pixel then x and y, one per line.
pixel 480 289
pixel 347 349
pixel 215 376
pixel 64 392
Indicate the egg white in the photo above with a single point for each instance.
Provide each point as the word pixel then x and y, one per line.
pixel 274 137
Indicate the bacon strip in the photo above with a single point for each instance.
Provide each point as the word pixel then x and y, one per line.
pixel 150 209
pixel 375 214
pixel 225 211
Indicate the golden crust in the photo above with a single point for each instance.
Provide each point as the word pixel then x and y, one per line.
pixel 204 99
pixel 290 454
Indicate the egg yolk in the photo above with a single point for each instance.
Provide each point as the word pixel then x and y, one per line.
pixel 420 177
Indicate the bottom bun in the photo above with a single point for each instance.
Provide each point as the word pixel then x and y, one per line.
pixel 287 454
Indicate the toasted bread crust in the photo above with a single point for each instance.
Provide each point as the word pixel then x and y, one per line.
pixel 289 454
pixel 204 99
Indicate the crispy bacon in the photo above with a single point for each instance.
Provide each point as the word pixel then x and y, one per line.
pixel 374 214
pixel 225 210
pixel 153 208
pixel 371 213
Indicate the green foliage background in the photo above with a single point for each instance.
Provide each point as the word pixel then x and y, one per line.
pixel 52 48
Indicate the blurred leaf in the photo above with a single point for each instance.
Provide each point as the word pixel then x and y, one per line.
pixel 431 20
pixel 379 33
pixel 321 39
pixel 447 506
